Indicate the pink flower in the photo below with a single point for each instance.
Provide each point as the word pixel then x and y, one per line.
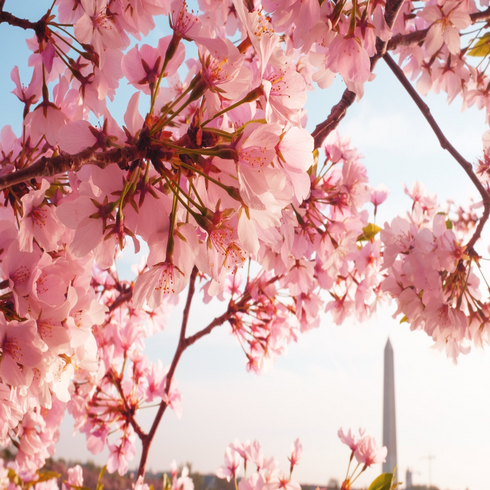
pixel 351 439
pixel 257 178
pixel 69 11
pixel 295 151
pixel 10 147
pixel 19 344
pixel 260 32
pixel 39 222
pixel 22 270
pixel 120 454
pixel 350 59
pixel 284 483
pixel 142 67
pixel 378 196
pixel 75 477
pixel 184 482
pixel 140 484
pixel 32 93
pixel 45 120
pixel 285 91
pixel 232 463
pixel 184 24
pixel 222 68
pixel 368 453
pixel 166 275
pixel 96 28
pixel 447 21
pixel 296 451
pixel 79 135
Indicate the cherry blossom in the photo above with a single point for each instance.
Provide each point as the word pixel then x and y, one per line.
pixel 213 172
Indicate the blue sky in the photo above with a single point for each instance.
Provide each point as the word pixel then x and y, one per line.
pixel 333 376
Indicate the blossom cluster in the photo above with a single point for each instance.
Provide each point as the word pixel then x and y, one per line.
pixel 366 452
pixel 11 478
pixel 220 180
pixel 267 474
pixel 432 276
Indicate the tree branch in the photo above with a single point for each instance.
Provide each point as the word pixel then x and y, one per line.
pixel 446 145
pixel 15 21
pixel 407 39
pixel 51 166
pixel 482 15
pixel 392 10
pixel 181 346
pixel 337 113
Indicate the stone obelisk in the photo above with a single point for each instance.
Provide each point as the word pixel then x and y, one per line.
pixel 389 416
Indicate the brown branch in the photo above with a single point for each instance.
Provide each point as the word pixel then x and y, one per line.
pixel 15 21
pixel 446 145
pixel 482 15
pixel 337 113
pixel 181 346
pixel 4 284
pixel 51 166
pixel 207 330
pixel 227 315
pixel 2 3
pixel 392 10
pixel 407 39
pixel 419 36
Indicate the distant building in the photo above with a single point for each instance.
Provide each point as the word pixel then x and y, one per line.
pixel 389 415
pixel 408 479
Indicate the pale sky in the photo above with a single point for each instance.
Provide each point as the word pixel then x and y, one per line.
pixel 333 377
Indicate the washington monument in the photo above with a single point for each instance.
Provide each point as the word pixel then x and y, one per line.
pixel 389 415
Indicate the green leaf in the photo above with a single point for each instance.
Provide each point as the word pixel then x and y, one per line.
pixel 100 486
pixel 449 224
pixel 482 47
pixel 167 484
pixel 383 482
pixel 369 232
pixel 14 478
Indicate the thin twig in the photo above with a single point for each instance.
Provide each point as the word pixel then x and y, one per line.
pixel 121 299
pixel 51 166
pixel 207 330
pixel 446 145
pixel 129 411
